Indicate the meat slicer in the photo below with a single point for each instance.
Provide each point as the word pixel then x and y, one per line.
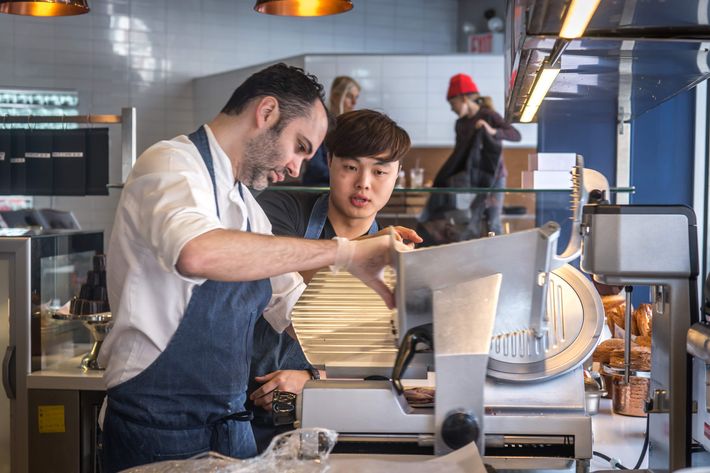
pixel 512 323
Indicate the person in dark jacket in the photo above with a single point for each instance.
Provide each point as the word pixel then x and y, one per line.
pixel 476 160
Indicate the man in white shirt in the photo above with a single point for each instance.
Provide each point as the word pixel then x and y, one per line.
pixel 192 264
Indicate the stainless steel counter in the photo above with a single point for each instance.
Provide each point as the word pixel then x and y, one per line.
pixel 67 374
pixel 617 436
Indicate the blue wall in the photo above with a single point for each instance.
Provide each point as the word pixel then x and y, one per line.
pixel 585 128
pixel 662 152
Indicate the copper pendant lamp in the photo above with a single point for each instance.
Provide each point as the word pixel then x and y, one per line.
pixel 44 7
pixel 303 7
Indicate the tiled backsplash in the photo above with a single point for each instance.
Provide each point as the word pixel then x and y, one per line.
pixel 410 88
pixel 144 53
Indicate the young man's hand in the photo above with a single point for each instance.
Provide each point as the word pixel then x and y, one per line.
pixel 406 235
pixel 284 380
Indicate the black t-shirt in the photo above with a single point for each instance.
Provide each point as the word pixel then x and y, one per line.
pixel 289 211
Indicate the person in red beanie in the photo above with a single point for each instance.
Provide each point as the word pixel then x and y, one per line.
pixel 476 160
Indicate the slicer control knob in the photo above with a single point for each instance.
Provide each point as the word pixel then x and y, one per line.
pixel 460 428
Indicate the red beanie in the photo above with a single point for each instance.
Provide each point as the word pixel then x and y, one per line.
pixel 461 84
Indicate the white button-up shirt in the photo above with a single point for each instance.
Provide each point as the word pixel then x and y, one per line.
pixel 167 201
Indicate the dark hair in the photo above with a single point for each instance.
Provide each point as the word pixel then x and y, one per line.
pixel 365 134
pixel 295 90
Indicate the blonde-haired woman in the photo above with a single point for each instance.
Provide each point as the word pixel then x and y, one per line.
pixel 344 92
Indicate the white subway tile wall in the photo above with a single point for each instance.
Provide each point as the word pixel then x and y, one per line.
pixel 410 88
pixel 144 53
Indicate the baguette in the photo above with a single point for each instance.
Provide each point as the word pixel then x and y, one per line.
pixel 643 317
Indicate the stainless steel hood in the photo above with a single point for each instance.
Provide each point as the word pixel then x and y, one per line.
pixel 634 55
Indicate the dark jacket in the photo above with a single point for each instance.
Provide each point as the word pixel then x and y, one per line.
pixel 317 172
pixel 465 131
pixel 479 166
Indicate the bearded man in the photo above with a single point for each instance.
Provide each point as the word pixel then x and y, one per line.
pixel 192 263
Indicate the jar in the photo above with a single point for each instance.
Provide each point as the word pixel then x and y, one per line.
pixel 630 399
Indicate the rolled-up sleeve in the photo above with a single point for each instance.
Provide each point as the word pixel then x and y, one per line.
pixel 176 204
pixel 286 289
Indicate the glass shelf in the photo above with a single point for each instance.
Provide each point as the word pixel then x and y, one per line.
pixel 445 215
pixel 453 190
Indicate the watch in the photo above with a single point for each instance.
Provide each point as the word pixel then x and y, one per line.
pixel 283 407
pixel 315 374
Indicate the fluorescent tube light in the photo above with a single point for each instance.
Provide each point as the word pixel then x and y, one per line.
pixel 545 77
pixel 578 15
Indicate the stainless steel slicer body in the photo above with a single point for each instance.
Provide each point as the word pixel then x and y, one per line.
pixel 543 325
pixel 512 323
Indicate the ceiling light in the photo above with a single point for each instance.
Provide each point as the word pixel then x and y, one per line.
pixel 44 7
pixel 578 15
pixel 303 7
pixel 545 77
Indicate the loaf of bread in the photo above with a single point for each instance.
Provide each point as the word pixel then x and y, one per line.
pixel 640 358
pixel 603 351
pixel 617 316
pixel 610 306
pixel 612 301
pixel 643 317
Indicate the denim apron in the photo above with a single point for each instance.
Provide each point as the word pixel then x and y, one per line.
pixel 191 398
pixel 319 215
pixel 275 351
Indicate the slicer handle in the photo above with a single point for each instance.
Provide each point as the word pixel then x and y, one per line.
pixel 8 372
pixel 415 335
pixel 706 300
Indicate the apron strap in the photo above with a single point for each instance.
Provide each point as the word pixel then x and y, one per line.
pixel 199 139
pixel 319 214
pixel 374 228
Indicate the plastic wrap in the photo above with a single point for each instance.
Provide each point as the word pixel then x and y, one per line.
pixel 298 451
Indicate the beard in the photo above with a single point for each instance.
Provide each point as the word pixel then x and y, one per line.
pixel 261 156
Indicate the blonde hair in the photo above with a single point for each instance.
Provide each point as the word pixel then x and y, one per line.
pixel 483 101
pixel 487 102
pixel 338 90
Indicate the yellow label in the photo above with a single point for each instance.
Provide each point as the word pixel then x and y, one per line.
pixel 51 419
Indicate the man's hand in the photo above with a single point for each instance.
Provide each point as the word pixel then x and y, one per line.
pixel 489 129
pixel 284 380
pixel 366 260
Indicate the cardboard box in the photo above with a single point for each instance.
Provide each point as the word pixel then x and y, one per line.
pixel 547 179
pixel 551 161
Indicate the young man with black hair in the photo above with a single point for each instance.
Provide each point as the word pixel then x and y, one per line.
pixel 192 263
pixel 364 152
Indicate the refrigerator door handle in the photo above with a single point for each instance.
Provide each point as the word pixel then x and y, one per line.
pixel 8 372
